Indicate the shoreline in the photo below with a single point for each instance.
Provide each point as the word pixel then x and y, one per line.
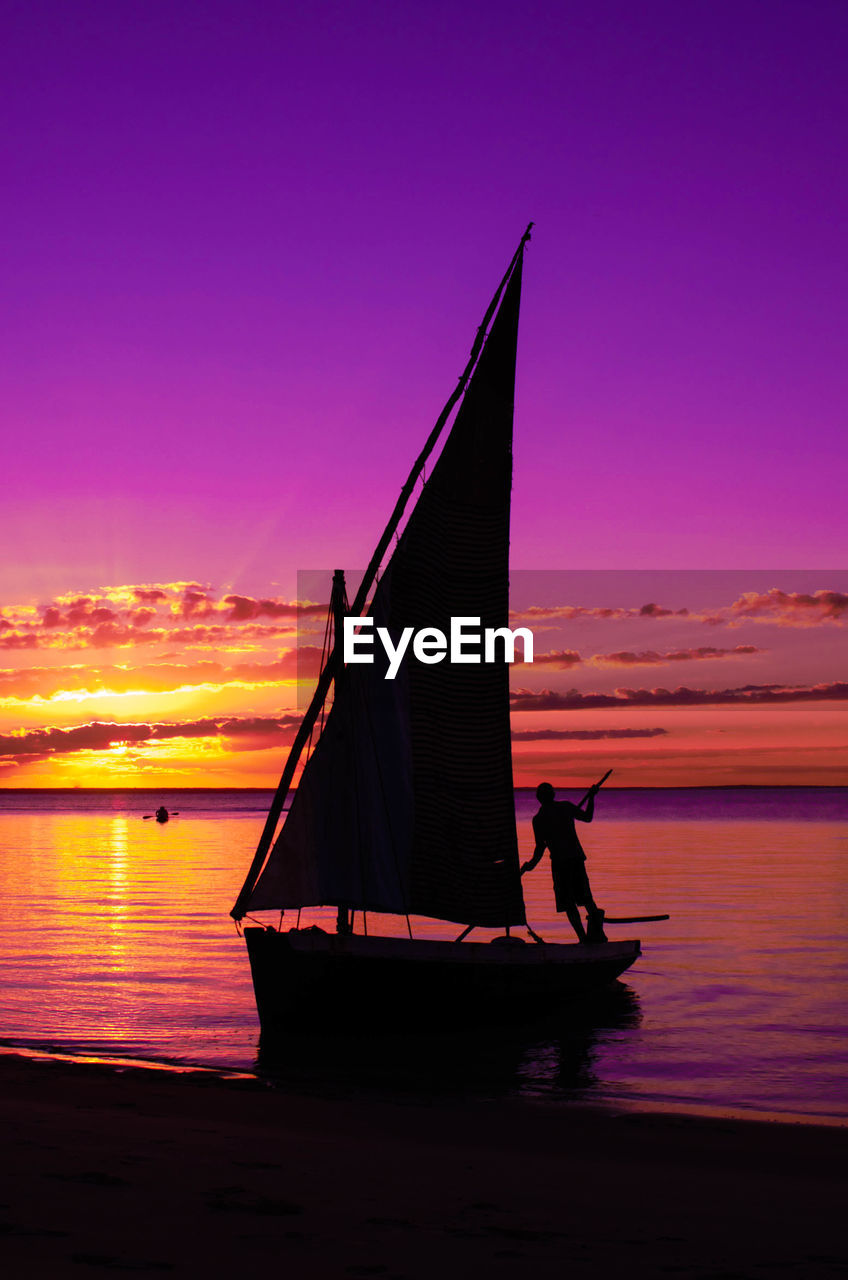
pixel 608 1105
pixel 187 1173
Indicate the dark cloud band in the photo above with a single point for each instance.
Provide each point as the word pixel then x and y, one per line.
pixel 550 700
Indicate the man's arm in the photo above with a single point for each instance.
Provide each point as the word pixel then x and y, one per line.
pixel 532 862
pixel 587 814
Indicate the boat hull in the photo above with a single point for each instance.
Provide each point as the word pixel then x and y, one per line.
pixel 309 977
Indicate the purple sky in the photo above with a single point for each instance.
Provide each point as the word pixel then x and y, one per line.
pixel 247 246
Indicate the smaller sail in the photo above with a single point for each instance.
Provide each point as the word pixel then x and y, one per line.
pixel 347 837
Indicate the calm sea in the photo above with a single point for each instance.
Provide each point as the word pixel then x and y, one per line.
pixel 116 941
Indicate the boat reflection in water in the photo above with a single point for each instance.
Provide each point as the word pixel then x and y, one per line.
pixel 561 1062
pixel 555 1058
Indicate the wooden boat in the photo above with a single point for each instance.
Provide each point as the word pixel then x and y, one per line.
pixel 306 977
pixel 405 806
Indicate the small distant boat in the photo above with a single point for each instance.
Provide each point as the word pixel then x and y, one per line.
pixel 161 814
pixel 406 804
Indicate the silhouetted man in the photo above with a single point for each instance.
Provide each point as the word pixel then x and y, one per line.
pixel 553 827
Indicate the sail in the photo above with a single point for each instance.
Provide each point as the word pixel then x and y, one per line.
pixel 406 804
pixel 347 836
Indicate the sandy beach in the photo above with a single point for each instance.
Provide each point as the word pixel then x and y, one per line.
pixel 152 1173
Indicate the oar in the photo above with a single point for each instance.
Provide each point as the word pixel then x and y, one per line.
pixel 597 786
pixel 632 919
pixel 174 813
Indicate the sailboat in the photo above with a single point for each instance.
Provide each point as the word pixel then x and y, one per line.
pixel 405 806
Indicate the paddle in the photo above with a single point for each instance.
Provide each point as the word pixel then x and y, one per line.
pixel 174 813
pixel 632 919
pixel 596 787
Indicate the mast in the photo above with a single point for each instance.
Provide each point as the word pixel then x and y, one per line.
pixel 334 662
pixel 338 608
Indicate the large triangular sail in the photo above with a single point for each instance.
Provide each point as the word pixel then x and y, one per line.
pixel 406 805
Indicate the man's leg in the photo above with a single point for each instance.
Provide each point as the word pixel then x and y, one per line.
pixel 595 922
pixel 574 920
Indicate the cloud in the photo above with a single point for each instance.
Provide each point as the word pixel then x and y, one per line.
pixel 786 608
pixel 196 601
pixel 18 641
pixel 656 611
pixel 791 608
pixel 550 700
pixel 100 736
pixel 574 613
pixel 156 678
pixel 582 735
pixel 150 614
pixel 192 614
pixel 566 613
pixel 239 733
pixel 246 608
pixel 561 659
pixel 650 658
pixel 149 595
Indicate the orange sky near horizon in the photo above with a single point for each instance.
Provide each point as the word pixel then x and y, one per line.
pixel 791 748
pixel 670 680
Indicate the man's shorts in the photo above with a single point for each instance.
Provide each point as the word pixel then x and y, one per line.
pixel 571 884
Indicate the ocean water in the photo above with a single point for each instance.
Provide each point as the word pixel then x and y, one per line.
pixel 115 940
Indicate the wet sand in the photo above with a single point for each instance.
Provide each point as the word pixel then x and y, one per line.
pixel 154 1173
